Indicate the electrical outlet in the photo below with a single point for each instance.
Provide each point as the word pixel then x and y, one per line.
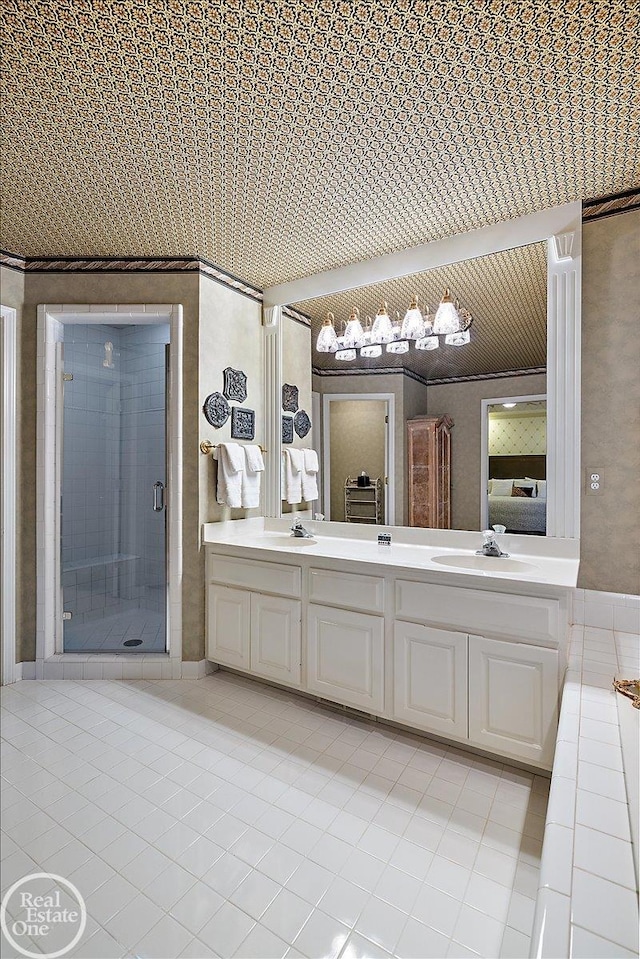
pixel 594 481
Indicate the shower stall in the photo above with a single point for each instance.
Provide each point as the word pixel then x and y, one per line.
pixel 113 438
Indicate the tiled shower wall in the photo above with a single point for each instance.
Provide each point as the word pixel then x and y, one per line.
pixel 114 449
pixel 143 459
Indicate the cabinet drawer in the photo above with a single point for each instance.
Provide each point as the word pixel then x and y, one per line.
pixel 475 611
pixel 261 577
pixel 347 589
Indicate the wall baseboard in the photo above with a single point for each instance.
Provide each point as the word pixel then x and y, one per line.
pixel 115 667
pixel 617 611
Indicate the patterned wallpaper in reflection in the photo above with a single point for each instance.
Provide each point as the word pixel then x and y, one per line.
pixel 517 435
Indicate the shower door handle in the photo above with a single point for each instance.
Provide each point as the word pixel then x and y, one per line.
pixel 158 496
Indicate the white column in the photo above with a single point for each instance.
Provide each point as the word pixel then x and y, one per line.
pixel 272 337
pixel 8 348
pixel 564 311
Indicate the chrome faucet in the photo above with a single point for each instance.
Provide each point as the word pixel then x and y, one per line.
pixel 298 530
pixel 490 545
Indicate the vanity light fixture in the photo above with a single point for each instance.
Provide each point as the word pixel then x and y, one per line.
pixel 382 331
pixel 413 325
pixel 447 318
pixel 345 355
pixel 450 321
pixel 327 341
pixel 509 406
pixel 354 334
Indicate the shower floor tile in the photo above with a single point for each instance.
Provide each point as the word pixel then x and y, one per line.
pixel 108 635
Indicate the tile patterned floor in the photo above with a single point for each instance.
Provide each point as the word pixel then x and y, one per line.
pixel 222 817
pixel 108 635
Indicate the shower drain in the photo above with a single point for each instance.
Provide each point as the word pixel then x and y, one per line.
pixel 132 642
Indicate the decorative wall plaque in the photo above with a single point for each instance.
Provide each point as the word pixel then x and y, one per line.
pixel 289 398
pixel 302 423
pixel 243 423
pixel 287 429
pixel 216 410
pixel 235 385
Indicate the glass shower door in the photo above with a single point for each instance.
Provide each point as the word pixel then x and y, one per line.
pixel 113 522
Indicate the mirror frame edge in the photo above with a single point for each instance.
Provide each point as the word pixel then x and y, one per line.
pixel 561 228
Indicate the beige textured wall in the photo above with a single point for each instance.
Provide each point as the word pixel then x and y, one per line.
pixel 102 288
pixel 377 383
pixel 12 294
pixel 610 521
pixel 230 334
pixel 462 402
pixel 357 444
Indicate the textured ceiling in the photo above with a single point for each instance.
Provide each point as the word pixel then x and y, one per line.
pixel 282 138
pixel 506 294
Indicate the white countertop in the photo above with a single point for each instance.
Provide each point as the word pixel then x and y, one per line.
pixel 541 561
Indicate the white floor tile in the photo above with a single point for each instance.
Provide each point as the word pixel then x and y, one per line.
pixel 218 817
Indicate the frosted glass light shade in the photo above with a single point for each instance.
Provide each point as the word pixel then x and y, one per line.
pixel 345 355
pixel 371 350
pixel 447 318
pixel 354 334
pixel 458 339
pixel 398 346
pixel 413 327
pixel 382 331
pixel 427 343
pixel 327 341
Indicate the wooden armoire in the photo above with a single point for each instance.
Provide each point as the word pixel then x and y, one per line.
pixel 429 475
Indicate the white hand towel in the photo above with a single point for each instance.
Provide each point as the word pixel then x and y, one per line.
pixel 253 456
pixel 254 466
pixel 310 461
pixel 309 475
pixel 230 458
pixel 293 476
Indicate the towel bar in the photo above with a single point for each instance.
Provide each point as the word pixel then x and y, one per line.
pixel 206 447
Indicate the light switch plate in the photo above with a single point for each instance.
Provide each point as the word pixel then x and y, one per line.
pixel 594 481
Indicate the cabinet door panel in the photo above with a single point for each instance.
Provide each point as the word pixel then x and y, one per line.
pixel 513 698
pixel 228 626
pixel 275 638
pixel 346 657
pixel 430 678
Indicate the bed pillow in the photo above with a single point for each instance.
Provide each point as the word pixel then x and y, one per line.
pixel 501 487
pixel 525 491
pixel 536 492
pixel 528 483
pixel 542 489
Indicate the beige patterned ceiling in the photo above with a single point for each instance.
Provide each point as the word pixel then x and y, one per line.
pixel 280 138
pixel 506 293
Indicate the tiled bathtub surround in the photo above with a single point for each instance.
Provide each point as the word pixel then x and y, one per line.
pixel 588 899
pixel 618 611
pixel 228 818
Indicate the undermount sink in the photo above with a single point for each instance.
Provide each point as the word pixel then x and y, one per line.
pixel 485 564
pixel 283 539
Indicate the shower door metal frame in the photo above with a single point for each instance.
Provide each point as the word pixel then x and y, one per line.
pixel 51 661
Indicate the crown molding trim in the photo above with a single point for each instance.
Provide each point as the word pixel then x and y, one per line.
pixel 436 381
pixel 604 206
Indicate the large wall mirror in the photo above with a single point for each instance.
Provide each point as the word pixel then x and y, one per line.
pixel 507 399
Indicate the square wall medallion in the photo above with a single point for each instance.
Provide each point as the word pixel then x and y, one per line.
pixel 287 429
pixel 243 423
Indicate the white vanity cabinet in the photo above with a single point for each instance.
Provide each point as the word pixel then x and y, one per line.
pixel 477 666
pixel 250 630
pixel 430 678
pixel 345 657
pixel 228 615
pixel 513 698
